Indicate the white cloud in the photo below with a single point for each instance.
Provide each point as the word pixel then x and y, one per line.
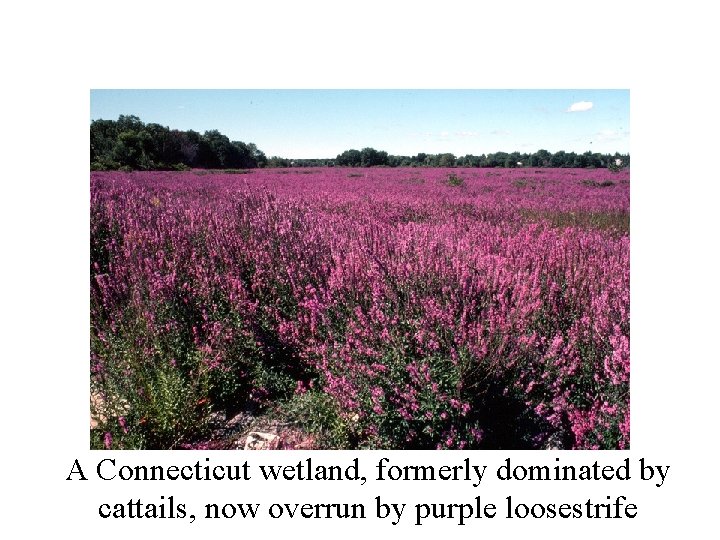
pixel 500 132
pixel 466 133
pixel 580 106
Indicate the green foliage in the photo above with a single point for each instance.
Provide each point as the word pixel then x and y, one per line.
pixel 276 161
pixel 317 413
pixel 454 180
pixel 349 158
pixel 133 149
pixel 446 160
pixel 236 171
pixel 147 401
pixel 103 163
pixel 129 144
pixel 614 167
pixel 541 158
pixel 593 183
pixel 174 407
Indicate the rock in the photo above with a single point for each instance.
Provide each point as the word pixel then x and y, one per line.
pixel 257 440
pixel 101 409
pixel 239 420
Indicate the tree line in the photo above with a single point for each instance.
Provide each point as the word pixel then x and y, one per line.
pixel 369 157
pixel 129 144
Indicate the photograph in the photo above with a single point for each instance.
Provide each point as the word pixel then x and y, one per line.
pixel 397 269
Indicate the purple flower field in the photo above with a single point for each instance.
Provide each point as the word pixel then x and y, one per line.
pixel 364 308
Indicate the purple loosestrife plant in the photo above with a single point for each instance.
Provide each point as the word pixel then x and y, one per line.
pixel 495 315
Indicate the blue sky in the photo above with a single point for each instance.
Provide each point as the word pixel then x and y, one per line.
pixel 323 123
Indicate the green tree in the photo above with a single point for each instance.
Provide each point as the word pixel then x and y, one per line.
pixel 558 159
pixel 129 122
pixel 276 161
pixel 103 134
pixel 446 160
pixel 349 158
pixel 258 156
pixel 542 158
pixel 512 159
pixel 132 149
pixel 369 157
pixel 580 161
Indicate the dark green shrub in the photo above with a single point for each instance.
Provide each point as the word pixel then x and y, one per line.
pixel 453 180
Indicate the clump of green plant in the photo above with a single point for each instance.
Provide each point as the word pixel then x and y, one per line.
pixel 143 402
pixel 453 180
pixel 593 183
pixel 104 164
pixel 318 413
pixel 175 407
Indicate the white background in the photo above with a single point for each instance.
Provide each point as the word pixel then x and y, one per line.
pixel 54 53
